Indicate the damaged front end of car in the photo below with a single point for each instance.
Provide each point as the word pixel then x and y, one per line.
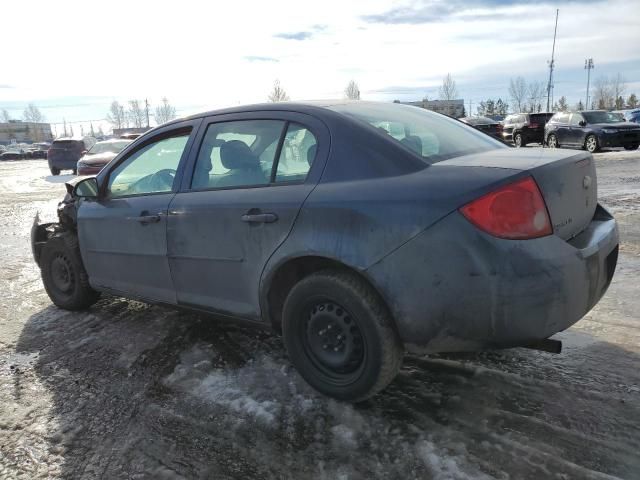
pixel 42 232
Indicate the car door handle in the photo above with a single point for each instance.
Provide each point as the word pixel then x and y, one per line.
pixel 259 218
pixel 146 219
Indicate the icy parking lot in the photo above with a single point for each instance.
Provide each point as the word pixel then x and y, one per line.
pixel 128 390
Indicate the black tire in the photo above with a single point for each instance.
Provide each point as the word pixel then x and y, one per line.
pixel 55 171
pixel 368 356
pixel 63 274
pixel 552 141
pixel 630 147
pixel 517 140
pixel 591 144
pixel 75 171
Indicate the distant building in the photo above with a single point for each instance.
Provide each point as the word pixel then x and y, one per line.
pixel 452 108
pixel 17 131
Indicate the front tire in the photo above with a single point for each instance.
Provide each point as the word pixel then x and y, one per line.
pixel 552 141
pixel 517 140
pixel 63 273
pixel 55 171
pixel 340 336
pixel 591 144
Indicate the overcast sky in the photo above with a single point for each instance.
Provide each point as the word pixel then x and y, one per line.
pixel 74 60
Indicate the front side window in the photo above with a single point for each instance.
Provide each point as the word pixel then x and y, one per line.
pixel 576 118
pixel 150 169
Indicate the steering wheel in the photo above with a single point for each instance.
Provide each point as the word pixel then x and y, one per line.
pixel 160 181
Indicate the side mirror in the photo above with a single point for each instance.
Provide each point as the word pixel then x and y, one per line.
pixel 582 123
pixel 83 152
pixel 87 188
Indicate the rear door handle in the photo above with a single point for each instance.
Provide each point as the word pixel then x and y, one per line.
pixel 259 218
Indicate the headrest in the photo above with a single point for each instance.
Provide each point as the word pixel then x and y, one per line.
pixel 413 142
pixel 311 153
pixel 236 154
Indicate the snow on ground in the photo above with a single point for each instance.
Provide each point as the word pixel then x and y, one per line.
pixel 137 391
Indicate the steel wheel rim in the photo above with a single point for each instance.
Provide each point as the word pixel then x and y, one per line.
pixel 552 141
pixel 333 342
pixel 62 274
pixel 518 141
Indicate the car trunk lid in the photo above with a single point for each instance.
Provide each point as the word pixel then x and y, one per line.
pixel 567 181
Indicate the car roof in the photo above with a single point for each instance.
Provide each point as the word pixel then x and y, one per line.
pixel 307 106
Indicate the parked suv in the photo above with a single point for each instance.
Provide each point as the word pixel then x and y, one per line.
pixel 524 128
pixel 591 130
pixel 631 115
pixel 65 153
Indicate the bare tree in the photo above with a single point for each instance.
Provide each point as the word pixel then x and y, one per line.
pixel 563 106
pixel 352 92
pixel 632 101
pixel 618 87
pixel 518 92
pixel 536 92
pixel 448 90
pixel 603 93
pixel 116 116
pixel 4 115
pixel 136 114
pixel 278 94
pixel 32 114
pixel 165 112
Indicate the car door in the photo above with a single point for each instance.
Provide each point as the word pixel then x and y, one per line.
pixel 562 128
pixel 122 234
pixel 251 175
pixel 575 135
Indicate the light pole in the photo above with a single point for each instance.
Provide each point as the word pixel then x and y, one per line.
pixel 588 66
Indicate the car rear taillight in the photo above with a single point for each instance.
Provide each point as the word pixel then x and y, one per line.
pixel 516 211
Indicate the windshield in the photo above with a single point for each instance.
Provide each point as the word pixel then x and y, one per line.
pixel 106 147
pixel 432 136
pixel 602 117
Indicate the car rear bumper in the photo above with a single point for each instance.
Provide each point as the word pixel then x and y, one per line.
pixel 63 163
pixel 455 288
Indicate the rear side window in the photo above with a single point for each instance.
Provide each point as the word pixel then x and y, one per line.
pixel 237 154
pixel 561 118
pixel 297 154
pixel 431 136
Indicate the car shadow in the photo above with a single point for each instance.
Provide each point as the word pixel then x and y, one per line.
pixel 132 390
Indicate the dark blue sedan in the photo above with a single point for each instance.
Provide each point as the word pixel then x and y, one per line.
pixel 359 230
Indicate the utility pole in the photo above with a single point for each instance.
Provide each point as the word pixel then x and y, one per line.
pixel 146 104
pixel 552 63
pixel 469 114
pixel 588 66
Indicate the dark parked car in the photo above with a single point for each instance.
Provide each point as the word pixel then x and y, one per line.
pixel 65 153
pixel 38 150
pixel 357 229
pixel 524 128
pixel 591 130
pixel 11 155
pixel 486 125
pixel 99 155
pixel 631 115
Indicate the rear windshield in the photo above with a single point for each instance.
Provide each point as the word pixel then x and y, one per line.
pixel 106 147
pixel 432 136
pixel 601 117
pixel 67 144
pixel 540 117
pixel 479 121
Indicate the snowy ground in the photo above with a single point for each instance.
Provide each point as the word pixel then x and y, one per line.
pixel 132 391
